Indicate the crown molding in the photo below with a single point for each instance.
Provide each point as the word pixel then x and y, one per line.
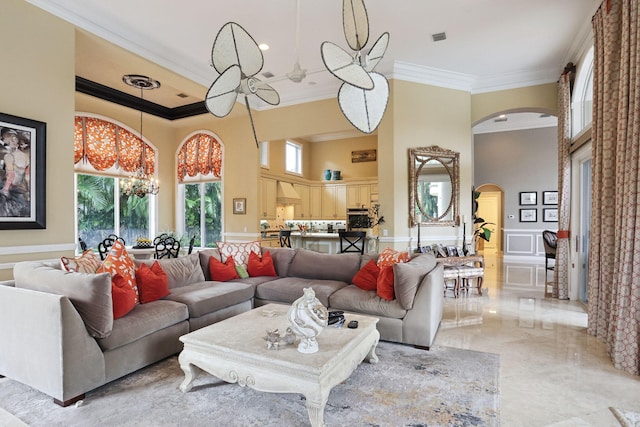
pixel 106 93
pixel 431 76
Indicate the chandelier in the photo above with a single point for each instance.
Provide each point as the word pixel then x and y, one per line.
pixel 141 183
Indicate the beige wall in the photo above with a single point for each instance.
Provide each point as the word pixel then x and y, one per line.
pixel 38 83
pixel 42 87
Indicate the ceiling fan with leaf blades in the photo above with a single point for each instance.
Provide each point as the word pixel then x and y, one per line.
pixel 236 57
pixel 364 94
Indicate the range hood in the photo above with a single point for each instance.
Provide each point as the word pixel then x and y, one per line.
pixel 287 195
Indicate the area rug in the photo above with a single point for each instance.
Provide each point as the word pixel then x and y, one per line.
pixel 626 418
pixel 408 387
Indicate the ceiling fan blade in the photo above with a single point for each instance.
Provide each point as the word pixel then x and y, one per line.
pixel 341 64
pixel 355 23
pixel 377 52
pixel 253 127
pixel 221 96
pixel 365 108
pixel 234 46
pixel 265 92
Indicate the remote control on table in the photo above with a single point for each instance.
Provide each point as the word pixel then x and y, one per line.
pixel 352 324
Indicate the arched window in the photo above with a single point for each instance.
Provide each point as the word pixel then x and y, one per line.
pixel 106 152
pixel 582 97
pixel 199 173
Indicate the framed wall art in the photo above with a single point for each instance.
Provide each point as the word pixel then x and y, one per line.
pixel 528 198
pixel 528 215
pixel 22 173
pixel 240 206
pixel 363 156
pixel 549 197
pixel 550 215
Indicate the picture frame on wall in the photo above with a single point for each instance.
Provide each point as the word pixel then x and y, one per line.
pixel 239 206
pixel 550 215
pixel 23 173
pixel 528 215
pixel 528 198
pixel 549 197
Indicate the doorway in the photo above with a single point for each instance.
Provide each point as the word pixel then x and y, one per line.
pixel 490 209
pixel 580 223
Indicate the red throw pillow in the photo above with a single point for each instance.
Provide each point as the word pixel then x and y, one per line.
pixel 367 277
pixel 122 295
pixel 153 283
pixel 385 283
pixel 261 266
pixel 222 272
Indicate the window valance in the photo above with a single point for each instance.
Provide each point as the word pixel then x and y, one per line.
pixel 104 145
pixel 200 154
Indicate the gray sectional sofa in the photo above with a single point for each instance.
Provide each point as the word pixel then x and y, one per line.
pixel 59 337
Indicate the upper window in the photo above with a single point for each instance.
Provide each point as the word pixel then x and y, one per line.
pixel 264 154
pixel 582 97
pixel 293 157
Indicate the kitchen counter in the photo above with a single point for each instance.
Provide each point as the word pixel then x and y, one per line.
pixel 326 242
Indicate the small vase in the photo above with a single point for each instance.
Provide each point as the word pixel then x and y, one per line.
pixel 336 176
pixel 327 174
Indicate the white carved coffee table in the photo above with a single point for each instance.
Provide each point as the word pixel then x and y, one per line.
pixel 234 350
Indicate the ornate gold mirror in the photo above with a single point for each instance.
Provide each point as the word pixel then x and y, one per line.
pixel 434 186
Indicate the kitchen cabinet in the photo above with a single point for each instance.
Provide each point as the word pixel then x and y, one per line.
pixel 358 196
pixel 334 202
pixel 268 194
pixel 315 202
pixel 301 210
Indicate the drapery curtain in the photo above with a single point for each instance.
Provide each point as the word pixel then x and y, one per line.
pixel 614 266
pixel 561 269
pixel 200 154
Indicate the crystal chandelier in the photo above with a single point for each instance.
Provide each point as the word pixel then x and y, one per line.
pixel 141 183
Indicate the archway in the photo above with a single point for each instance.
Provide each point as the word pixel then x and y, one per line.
pixel 491 209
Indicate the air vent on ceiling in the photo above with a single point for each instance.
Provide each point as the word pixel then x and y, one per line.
pixel 438 37
pixel 183 95
pixel 267 74
pixel 500 119
pixel 544 116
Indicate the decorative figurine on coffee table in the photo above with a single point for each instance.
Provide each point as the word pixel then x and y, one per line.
pixel 308 317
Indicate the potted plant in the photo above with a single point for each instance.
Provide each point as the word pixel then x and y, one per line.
pixel 481 231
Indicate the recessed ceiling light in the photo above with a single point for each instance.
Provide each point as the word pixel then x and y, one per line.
pixel 183 95
pixel 267 74
pixel 263 46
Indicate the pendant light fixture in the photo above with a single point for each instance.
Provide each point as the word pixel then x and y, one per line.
pixel 141 183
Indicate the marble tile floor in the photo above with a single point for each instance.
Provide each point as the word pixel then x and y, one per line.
pixel 552 373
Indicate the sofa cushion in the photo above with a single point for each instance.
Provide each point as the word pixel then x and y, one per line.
pixel 390 256
pixel 261 266
pixel 181 271
pixel 118 262
pixel 206 297
pixel 365 258
pixel 153 283
pixel 222 271
pixel 256 280
pixel 408 275
pixel 352 298
pixel 282 258
pixel 204 256
pixel 89 293
pixel 239 251
pixel 87 262
pixel 143 320
pixel 384 285
pixel 289 289
pixel 314 265
pixel 123 297
pixel 367 277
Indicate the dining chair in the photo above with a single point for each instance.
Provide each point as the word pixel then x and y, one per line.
pixel 105 245
pixel 550 241
pixel 352 241
pixel 191 243
pixel 284 237
pixel 83 245
pixel 166 247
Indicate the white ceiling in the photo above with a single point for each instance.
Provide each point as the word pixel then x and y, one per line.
pixel 490 45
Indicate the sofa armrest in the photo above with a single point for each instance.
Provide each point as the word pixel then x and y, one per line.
pixel 422 321
pixel 45 344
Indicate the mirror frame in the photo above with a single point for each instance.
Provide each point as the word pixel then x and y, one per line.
pixel 423 155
